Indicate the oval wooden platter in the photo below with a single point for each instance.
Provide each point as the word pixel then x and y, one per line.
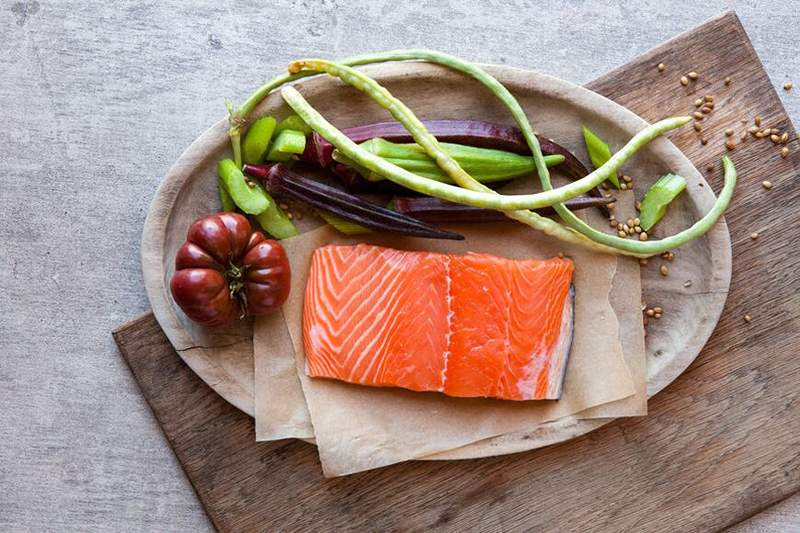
pixel 557 109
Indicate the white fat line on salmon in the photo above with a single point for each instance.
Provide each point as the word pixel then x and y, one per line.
pixel 449 297
pixel 372 324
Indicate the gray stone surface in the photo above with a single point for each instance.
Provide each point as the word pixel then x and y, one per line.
pixel 97 99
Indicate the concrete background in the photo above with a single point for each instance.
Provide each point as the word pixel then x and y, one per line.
pixel 97 100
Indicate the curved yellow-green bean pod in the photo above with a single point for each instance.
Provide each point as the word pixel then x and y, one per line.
pixel 418 131
pixel 458 194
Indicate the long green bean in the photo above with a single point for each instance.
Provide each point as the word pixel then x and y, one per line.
pixel 458 194
pixel 404 115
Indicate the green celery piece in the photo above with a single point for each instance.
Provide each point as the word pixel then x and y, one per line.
pixel 657 199
pixel 256 140
pixel 287 143
pixel 249 197
pixel 599 152
pixel 275 222
pixel 224 198
pixel 342 225
pixel 293 122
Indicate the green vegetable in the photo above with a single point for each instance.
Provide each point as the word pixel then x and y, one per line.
pixel 224 198
pixel 343 226
pixel 578 231
pixel 491 164
pixel 247 196
pixel 287 143
pixel 491 168
pixel 658 197
pixel 256 140
pixel 599 152
pixel 275 222
pixel 293 122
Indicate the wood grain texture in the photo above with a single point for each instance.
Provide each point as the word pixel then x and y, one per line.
pixel 721 443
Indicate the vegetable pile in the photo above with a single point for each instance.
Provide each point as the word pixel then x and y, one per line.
pixel 452 161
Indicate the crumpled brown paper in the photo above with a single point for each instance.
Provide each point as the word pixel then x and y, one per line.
pixel 357 428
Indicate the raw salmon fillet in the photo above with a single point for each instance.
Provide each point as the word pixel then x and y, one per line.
pixel 471 325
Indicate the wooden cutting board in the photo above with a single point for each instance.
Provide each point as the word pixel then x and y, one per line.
pixel 720 443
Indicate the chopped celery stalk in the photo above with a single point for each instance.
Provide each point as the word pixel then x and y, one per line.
pixel 248 196
pixel 256 140
pixel 287 143
pixel 224 198
pixel 343 226
pixel 293 122
pixel 275 222
pixel 599 152
pixel 657 199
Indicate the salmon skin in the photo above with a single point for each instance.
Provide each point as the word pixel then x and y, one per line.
pixel 471 325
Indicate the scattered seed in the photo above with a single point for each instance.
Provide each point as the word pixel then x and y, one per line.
pixel 766 184
pixel 606 195
pixel 775 131
pixel 619 226
pixel 710 167
pixel 754 235
pixel 638 205
pixel 757 120
pixel 761 134
pixel 299 215
pixel 684 81
pixel 637 229
pixel 289 216
pixel 664 270
pixel 604 185
pixel 705 110
pixel 698 127
pixel 631 231
pixel 657 316
pixel 727 80
pixel 785 152
pixel 627 178
pixel 729 144
pixel 753 129
pixel 774 138
pixel 729 132
pixel 622 234
pixel 687 283
pixel 698 102
pixel 698 115
pixel 612 222
pixel 708 98
pixel 643 236
pixel 611 206
pixel 748 318
pixel 623 186
pixel 704 141
pixel 710 105
pixel 661 67
pixel 693 75
pixel 629 222
pixel 650 312
pixel 643 260
pixel 784 138
pixel 561 255
pixel 636 221
pixel 283 206
pixel 743 136
pixel 788 86
pixel 658 309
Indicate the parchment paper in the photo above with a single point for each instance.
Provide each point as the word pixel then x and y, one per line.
pixel 357 428
pixel 280 407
